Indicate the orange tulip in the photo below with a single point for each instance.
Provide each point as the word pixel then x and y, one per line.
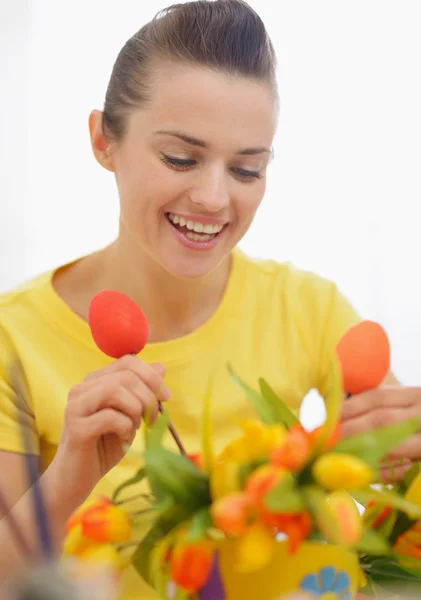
pixel 190 565
pixel 75 543
pixel 231 513
pixel 196 459
pixel 296 526
pixel 409 544
pixel 92 505
pixel 332 440
pixel 293 453
pixel 409 548
pixel 102 522
pixel 261 481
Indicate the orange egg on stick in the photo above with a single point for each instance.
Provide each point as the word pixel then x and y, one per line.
pixel 364 356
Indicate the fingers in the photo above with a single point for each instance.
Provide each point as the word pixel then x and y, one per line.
pixel 107 421
pixel 376 418
pixel 411 449
pixel 110 395
pixel 395 470
pixel 151 375
pixel 381 398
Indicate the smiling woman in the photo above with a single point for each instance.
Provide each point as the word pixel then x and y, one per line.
pixel 187 130
pixel 188 152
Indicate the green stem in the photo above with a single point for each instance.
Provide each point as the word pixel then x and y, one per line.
pixel 147 497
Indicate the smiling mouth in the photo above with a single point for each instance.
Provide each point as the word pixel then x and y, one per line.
pixel 194 230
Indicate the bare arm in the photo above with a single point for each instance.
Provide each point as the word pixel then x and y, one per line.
pixel 14 487
pixel 102 415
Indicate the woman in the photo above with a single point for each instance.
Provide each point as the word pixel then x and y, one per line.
pixel 187 129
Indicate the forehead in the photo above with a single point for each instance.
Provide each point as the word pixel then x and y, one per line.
pixel 210 105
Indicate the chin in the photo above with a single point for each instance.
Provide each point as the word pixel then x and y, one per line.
pixel 190 270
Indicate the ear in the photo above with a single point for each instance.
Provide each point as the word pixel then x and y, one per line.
pixel 101 145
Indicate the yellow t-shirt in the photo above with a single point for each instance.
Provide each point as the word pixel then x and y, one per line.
pixel 274 321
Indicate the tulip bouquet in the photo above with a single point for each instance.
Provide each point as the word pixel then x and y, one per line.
pixel 275 512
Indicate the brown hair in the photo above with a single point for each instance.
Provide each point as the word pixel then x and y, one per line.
pixel 226 35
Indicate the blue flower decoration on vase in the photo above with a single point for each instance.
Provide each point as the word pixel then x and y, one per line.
pixel 327 584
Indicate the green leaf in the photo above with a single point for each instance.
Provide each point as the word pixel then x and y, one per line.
pixel 333 404
pixel 388 573
pixel 247 468
pixel 175 476
pixel 182 595
pixel 403 523
pixel 155 433
pixel 137 478
pixel 158 568
pixel 410 475
pixel 264 409
pixel 284 498
pixel 207 437
pixel 386 498
pixel 167 522
pixel 199 525
pixel 372 543
pixel 372 446
pixel 284 414
pixel 385 528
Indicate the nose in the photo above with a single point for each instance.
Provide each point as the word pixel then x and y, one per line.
pixel 211 190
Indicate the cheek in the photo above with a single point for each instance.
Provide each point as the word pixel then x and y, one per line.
pixel 141 187
pixel 249 201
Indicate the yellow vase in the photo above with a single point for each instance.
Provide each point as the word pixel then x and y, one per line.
pixel 317 570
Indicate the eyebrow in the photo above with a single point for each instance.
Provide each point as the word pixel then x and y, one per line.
pixel 201 144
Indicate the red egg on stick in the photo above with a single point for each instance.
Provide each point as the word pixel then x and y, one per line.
pixel 120 327
pixel 364 355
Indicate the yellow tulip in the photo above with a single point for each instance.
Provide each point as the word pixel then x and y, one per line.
pixel 347 517
pixel 342 471
pixel 257 441
pixel 75 543
pixel 104 555
pixel 224 478
pixel 413 493
pixel 413 536
pixel 101 521
pixel 255 549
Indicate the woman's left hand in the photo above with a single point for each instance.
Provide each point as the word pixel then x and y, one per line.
pixel 384 406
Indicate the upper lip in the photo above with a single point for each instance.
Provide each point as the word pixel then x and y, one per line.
pixel 205 219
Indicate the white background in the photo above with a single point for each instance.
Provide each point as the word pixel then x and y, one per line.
pixel 344 190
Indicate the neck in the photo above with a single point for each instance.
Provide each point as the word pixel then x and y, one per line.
pixel 174 307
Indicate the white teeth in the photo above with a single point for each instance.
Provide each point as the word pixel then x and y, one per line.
pixel 195 237
pixel 195 225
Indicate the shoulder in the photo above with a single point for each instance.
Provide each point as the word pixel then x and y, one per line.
pixel 20 298
pixel 311 302
pixel 289 280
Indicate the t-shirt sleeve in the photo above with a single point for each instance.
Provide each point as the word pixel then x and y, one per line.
pixel 336 318
pixel 17 422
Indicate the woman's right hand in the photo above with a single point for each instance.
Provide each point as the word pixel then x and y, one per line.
pixel 102 415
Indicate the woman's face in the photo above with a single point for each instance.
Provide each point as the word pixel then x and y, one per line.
pixel 191 170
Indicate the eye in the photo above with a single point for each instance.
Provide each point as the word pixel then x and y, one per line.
pixel 246 175
pixel 179 164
